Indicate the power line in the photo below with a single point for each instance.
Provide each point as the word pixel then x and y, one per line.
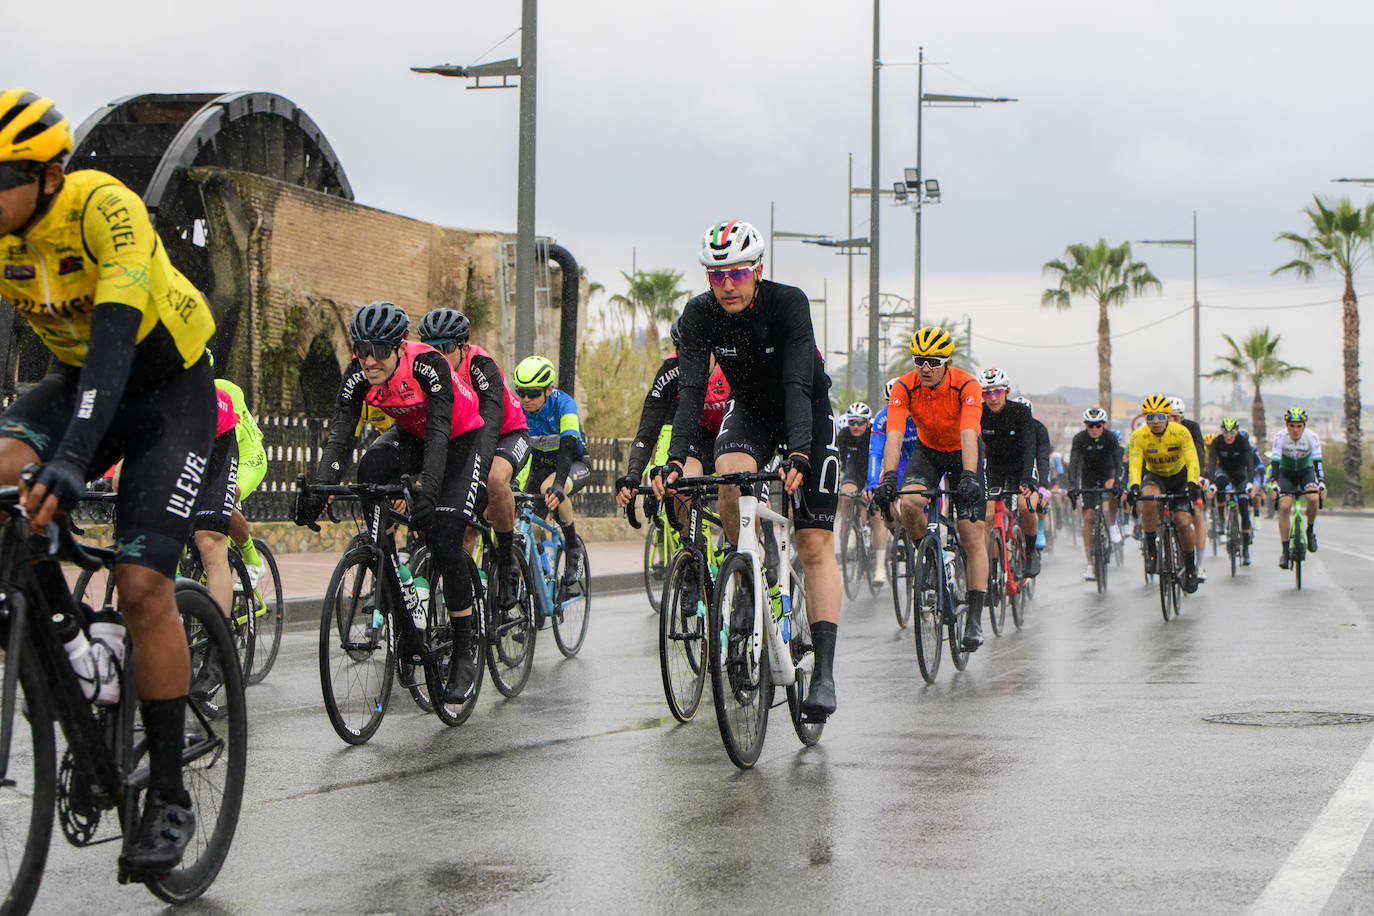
pixel 1269 308
pixel 1086 343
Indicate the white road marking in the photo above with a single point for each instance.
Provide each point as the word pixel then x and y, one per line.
pixel 1349 552
pixel 1306 880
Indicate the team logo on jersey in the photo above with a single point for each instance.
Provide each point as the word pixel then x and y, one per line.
pixel 20 272
pixel 70 265
pixel 726 351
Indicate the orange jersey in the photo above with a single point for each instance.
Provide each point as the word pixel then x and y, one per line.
pixel 940 412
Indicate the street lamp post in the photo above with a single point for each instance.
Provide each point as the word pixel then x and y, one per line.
pixel 1197 310
pixel 780 234
pixel 524 204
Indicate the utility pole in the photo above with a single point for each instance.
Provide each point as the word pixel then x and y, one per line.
pixel 873 332
pixel 920 174
pixel 849 256
pixel 524 207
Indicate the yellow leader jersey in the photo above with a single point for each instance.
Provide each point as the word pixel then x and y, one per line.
pixel 96 244
pixel 1163 455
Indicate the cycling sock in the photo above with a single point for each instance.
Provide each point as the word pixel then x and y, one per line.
pixel 975 602
pixel 823 636
pixel 569 533
pixel 505 540
pixel 1150 541
pixel 461 628
pixel 1189 562
pixel 249 553
pixel 165 722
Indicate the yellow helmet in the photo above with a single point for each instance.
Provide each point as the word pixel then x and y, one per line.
pixel 31 129
pixel 932 341
pixel 1156 403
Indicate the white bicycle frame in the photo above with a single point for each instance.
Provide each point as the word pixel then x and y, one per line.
pixel 782 672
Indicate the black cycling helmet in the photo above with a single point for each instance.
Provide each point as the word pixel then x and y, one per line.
pixel 675 333
pixel 379 322
pixel 445 324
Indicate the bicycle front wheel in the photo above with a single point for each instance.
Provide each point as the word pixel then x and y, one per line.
pixel 955 629
pixel 438 638
pixel 803 660
pixel 682 637
pixel 572 608
pixel 997 583
pixel 268 608
pixel 215 752
pixel 355 648
pixel 899 575
pixel 925 603
pixel 28 794
pixel 740 682
pixel 1016 552
pixel 655 560
pixel 510 634
pixel 1102 550
pixel 851 555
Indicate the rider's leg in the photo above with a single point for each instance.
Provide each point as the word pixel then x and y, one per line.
pixel 214 556
pixel 733 463
pixel 1088 533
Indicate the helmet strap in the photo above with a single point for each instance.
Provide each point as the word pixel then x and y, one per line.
pixel 44 202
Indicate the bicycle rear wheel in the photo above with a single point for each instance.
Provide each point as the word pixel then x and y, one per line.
pixel 439 641
pixel 215 754
pixel 996 599
pixel 851 553
pixel 28 794
pixel 510 635
pixel 899 575
pixel 925 603
pixel 572 604
pixel 655 560
pixel 355 647
pixel 740 684
pixel 268 608
pixel 242 624
pixel 803 660
pixel 682 638
pixel 955 631
pixel 1017 554
pixel 1102 550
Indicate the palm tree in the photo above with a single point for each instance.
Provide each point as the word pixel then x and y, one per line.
pixel 1107 276
pixel 654 295
pixel 1341 239
pixel 1254 362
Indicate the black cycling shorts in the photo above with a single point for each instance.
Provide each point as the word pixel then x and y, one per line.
pixel 1301 479
pixel 163 430
pixel 543 464
pixel 1092 500
pixel 1236 480
pixel 927 468
pixel 220 493
pixel 1174 484
pixel 759 435
pixel 514 446
pixel 703 449
pixel 396 452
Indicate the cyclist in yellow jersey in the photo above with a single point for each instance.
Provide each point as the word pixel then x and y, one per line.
pixel 81 261
pixel 375 417
pixel 1163 460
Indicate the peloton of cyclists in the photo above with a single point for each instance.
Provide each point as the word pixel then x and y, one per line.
pixel 853 445
pixel 761 334
pixel 449 331
pixel 1095 463
pixel 1295 465
pixel 947 405
pixel 1231 463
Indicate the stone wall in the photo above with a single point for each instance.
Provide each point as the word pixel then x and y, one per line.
pixel 298 263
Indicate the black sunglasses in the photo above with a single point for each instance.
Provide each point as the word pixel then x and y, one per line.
pixel 530 393
pixel 444 345
pixel 1093 425
pixel 377 350
pixel 12 175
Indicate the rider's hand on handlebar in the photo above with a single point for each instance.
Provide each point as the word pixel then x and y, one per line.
pixel 794 471
pixel 665 476
pixel 624 490
pixel 55 485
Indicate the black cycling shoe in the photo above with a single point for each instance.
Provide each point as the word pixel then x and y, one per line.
pixel 1032 563
pixel 508 581
pixel 1190 580
pixel 160 841
pixel 973 634
pixel 1311 541
pixel 1151 564
pixel 742 614
pixel 819 702
pixel 1283 557
pixel 209 679
pixel 462 673
pixel 689 598
pixel 1245 555
pixel 574 563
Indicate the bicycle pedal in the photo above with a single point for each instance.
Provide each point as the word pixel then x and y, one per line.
pixel 814 718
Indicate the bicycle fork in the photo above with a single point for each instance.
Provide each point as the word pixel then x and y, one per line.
pixel 783 672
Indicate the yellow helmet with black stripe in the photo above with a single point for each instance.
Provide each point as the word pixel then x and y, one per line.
pixel 1156 403
pixel 932 341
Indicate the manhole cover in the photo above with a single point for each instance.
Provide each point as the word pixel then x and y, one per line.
pixel 1289 719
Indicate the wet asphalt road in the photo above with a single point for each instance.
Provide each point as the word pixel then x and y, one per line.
pixel 1069 769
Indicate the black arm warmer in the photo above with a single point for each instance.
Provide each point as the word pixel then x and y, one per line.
pixel 104 374
pixel 657 403
pixel 338 445
pixel 491 405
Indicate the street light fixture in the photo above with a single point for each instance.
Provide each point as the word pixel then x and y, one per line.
pixel 1197 320
pixel 524 67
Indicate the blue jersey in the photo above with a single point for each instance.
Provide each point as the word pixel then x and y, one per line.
pixel 878 441
pixel 556 419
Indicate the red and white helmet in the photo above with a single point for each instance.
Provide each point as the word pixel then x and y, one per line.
pixel 731 242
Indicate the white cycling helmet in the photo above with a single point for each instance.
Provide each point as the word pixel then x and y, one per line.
pixel 1176 405
pixel 858 411
pixel 1025 401
pixel 1094 415
pixel 994 378
pixel 731 242
pixel 887 390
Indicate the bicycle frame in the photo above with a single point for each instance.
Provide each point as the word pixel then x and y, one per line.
pixel 538 556
pixel 1003 520
pixel 751 513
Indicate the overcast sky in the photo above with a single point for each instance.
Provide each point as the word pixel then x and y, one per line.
pixel 657 119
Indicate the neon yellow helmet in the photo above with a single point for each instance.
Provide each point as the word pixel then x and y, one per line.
pixel 31 129
pixel 932 341
pixel 534 372
pixel 1156 403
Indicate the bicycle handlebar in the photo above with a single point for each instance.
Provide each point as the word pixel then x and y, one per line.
pixel 60 540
